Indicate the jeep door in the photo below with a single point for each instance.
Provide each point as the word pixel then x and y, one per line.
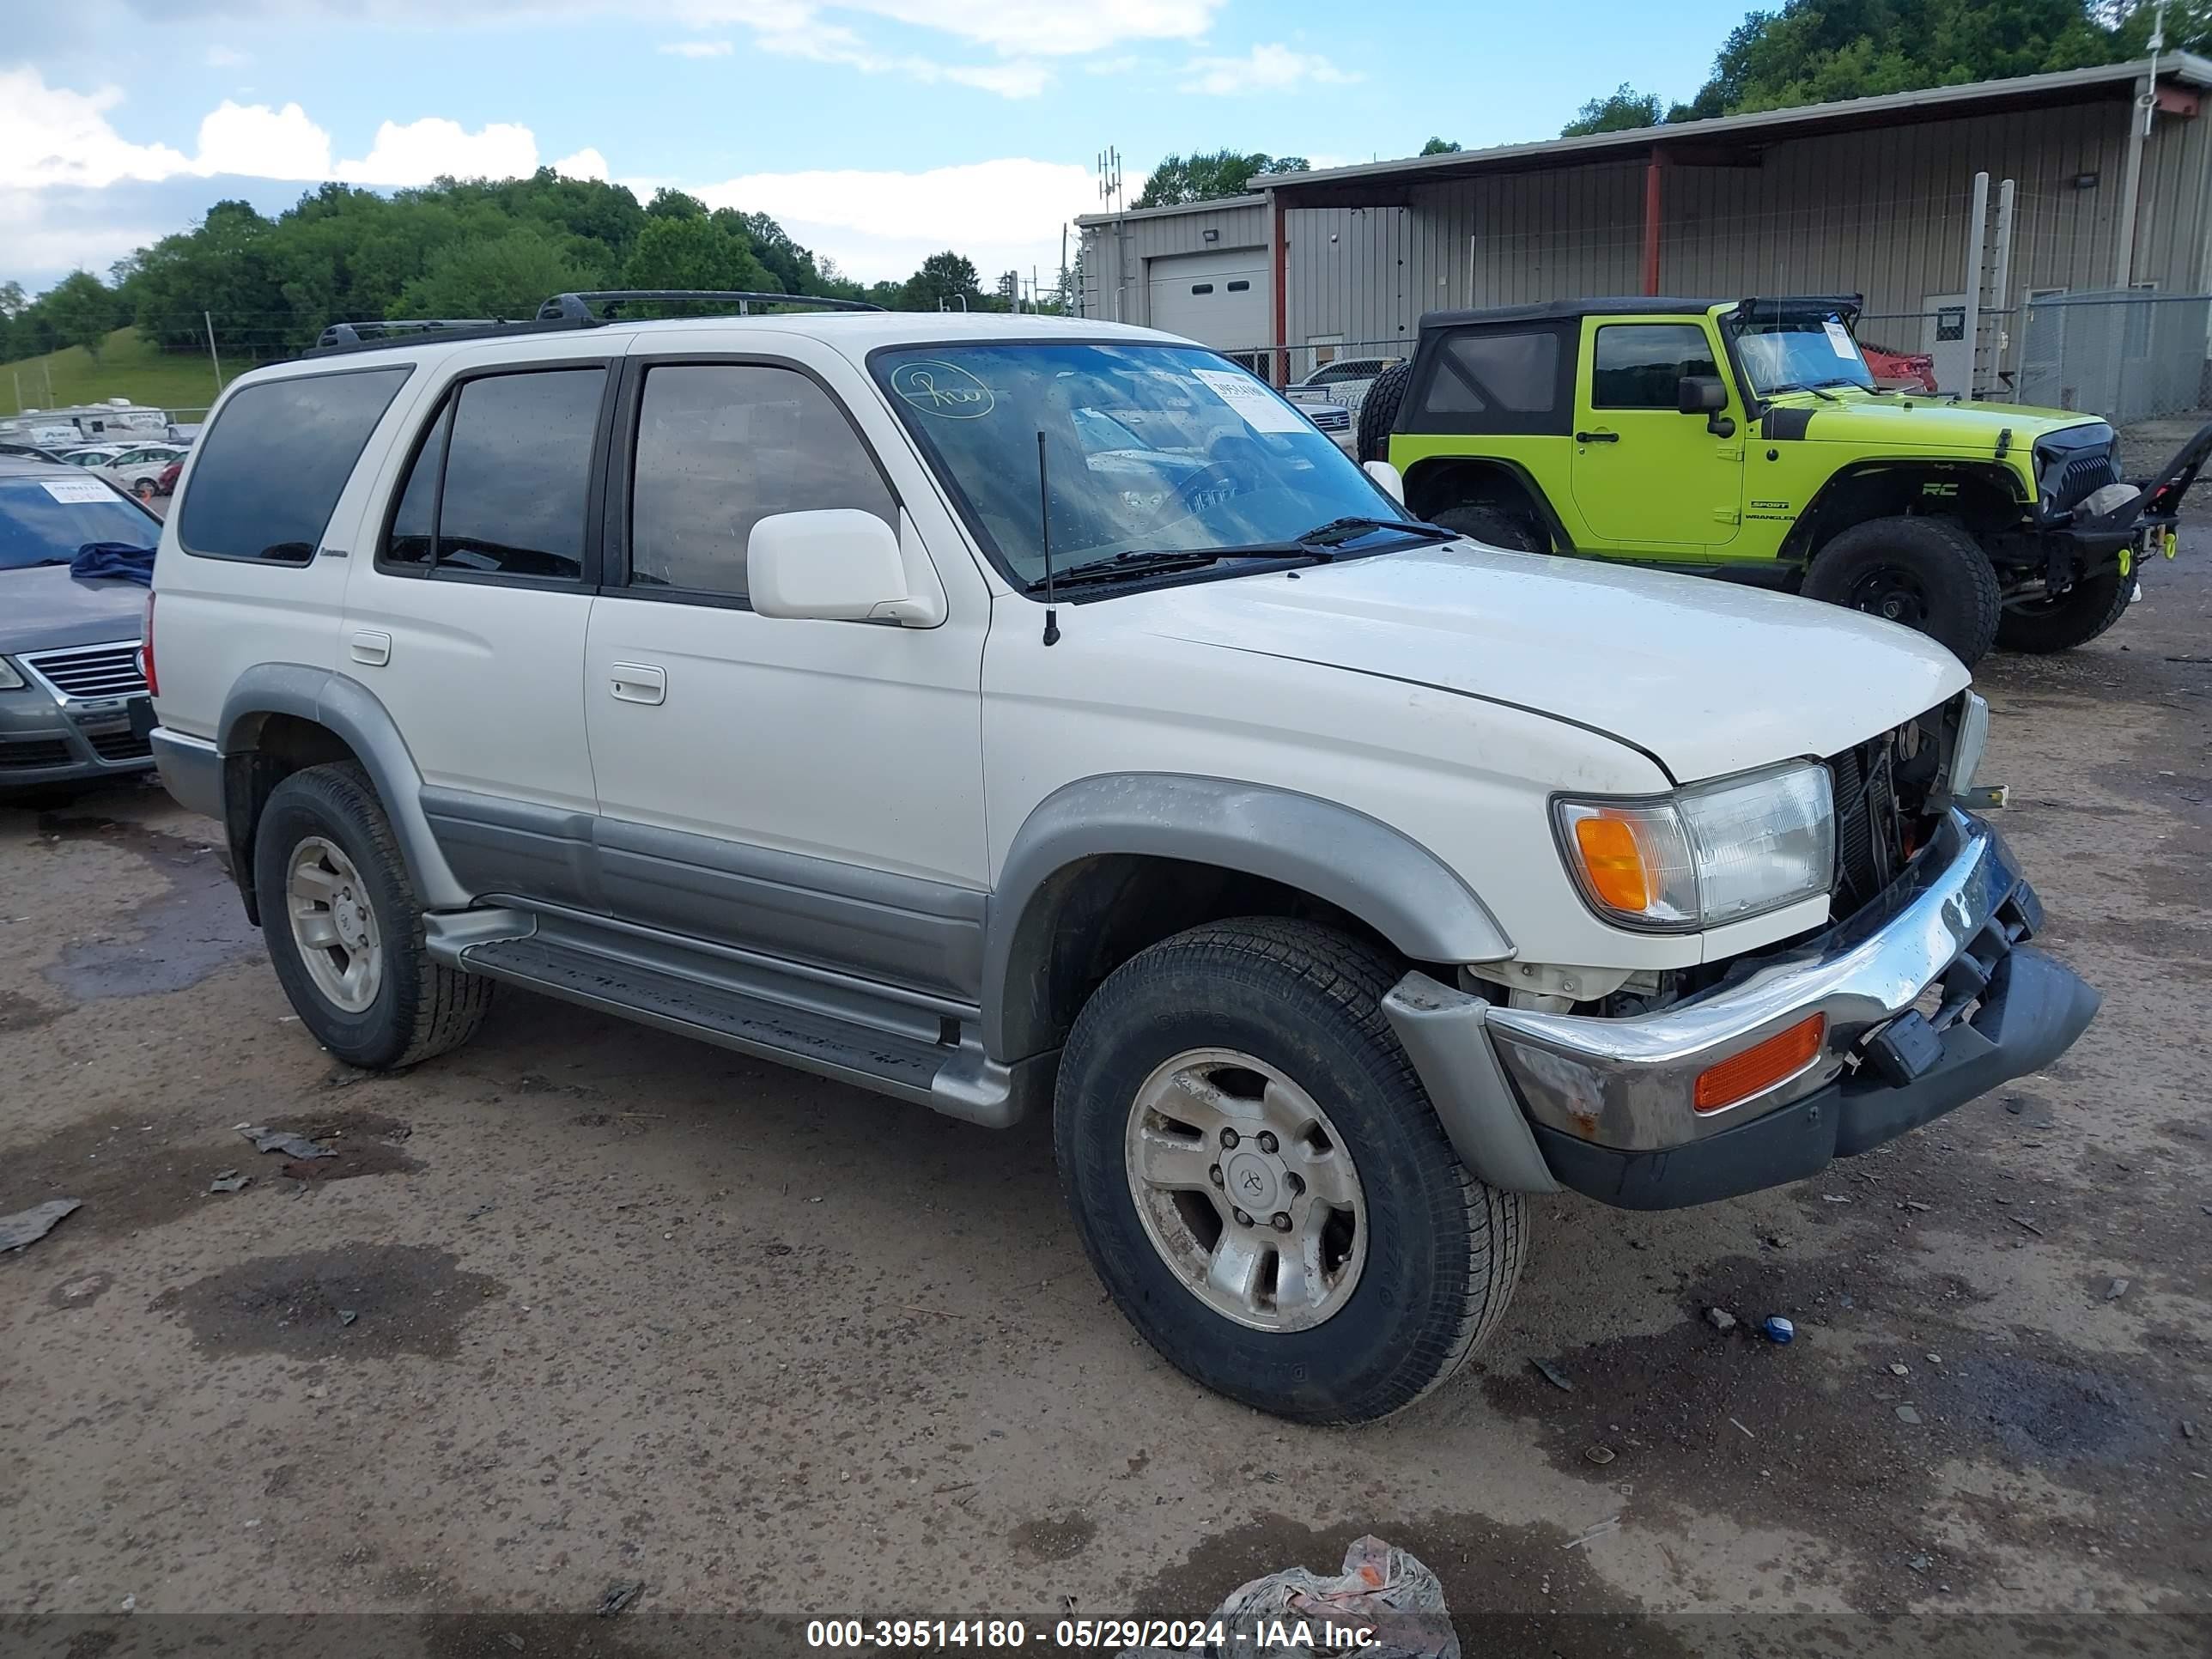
pixel 467 623
pixel 807 788
pixel 1646 476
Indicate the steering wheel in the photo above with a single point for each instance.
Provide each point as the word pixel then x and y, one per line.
pixel 1184 501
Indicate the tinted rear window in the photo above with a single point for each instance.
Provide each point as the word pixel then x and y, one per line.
pixel 518 466
pixel 272 467
pixel 1517 374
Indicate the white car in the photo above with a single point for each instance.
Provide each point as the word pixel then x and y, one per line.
pixel 1343 382
pixel 1011 717
pixel 138 468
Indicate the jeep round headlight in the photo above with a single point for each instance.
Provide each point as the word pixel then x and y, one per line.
pixel 1715 853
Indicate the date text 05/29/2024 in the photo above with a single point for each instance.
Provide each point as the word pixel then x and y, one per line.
pixel 1213 1635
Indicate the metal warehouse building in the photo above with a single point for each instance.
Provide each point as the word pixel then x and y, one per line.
pixel 1875 196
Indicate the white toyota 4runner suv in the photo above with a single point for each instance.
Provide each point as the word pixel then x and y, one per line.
pixel 1014 714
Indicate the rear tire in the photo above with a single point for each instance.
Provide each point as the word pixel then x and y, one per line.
pixel 1379 410
pixel 1927 572
pixel 2039 627
pixel 1495 526
pixel 325 832
pixel 1416 1262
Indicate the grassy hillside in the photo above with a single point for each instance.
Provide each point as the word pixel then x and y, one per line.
pixel 128 367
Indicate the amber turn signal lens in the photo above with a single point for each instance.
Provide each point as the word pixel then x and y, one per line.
pixel 1742 1076
pixel 1613 862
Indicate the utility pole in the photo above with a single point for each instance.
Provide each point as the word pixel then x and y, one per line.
pixel 212 357
pixel 2132 178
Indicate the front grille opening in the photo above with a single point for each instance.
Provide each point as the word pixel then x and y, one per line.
pixel 120 746
pixel 21 757
pixel 1882 790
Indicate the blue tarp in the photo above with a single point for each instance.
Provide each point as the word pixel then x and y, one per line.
pixel 131 565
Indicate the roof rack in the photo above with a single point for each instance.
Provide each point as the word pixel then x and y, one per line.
pixel 594 309
pixel 578 306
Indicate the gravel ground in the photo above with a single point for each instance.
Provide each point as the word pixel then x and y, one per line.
pixel 585 1303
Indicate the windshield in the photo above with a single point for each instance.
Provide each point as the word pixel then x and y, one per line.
pixel 46 520
pixel 1791 354
pixel 1146 448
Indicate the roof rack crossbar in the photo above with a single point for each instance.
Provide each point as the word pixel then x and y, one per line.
pixel 380 327
pixel 608 301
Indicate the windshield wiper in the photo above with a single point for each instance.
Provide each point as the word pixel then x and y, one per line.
pixel 1166 561
pixel 1793 385
pixel 1337 531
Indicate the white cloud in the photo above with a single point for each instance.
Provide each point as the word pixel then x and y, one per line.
pixel 221 56
pixel 1004 214
pixel 52 136
pixel 422 150
pixel 584 164
pixel 801 35
pixel 1270 67
pixel 1050 28
pixel 262 143
pixel 695 48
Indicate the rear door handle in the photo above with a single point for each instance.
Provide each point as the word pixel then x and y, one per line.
pixel 372 647
pixel 1598 437
pixel 638 682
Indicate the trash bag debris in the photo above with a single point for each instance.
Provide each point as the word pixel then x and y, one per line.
pixel 229 1180
pixel 27 1227
pixel 1557 1378
pixel 279 1140
pixel 618 1597
pixel 1382 1591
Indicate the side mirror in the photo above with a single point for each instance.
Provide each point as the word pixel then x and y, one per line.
pixel 836 564
pixel 1700 394
pixel 1392 482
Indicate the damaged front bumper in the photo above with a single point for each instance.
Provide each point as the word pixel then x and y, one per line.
pixel 1929 998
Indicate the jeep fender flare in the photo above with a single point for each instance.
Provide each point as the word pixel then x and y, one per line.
pixel 1358 863
pixel 1512 472
pixel 351 710
pixel 1812 518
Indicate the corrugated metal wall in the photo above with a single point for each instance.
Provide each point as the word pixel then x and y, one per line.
pixel 1881 212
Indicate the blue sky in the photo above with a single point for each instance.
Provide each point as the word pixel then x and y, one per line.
pixel 877 130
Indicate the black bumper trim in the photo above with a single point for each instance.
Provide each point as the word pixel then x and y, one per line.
pixel 2034 1009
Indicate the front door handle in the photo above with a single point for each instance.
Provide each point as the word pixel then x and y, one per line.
pixel 1598 437
pixel 372 647
pixel 638 682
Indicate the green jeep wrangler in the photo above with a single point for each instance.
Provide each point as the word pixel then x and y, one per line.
pixel 1745 439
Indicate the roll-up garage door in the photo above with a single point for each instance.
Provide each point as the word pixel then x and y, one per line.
pixel 1218 299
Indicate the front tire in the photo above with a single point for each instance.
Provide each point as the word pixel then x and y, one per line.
pixel 2042 626
pixel 1927 572
pixel 1249 1063
pixel 344 928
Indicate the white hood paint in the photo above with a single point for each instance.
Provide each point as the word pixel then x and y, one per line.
pixel 1709 677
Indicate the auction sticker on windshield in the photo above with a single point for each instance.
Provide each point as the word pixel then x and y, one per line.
pixel 1262 410
pixel 1840 337
pixel 78 490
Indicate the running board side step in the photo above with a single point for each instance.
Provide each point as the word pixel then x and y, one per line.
pixel 901 1051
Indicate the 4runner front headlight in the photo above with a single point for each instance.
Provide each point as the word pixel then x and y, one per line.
pixel 1715 853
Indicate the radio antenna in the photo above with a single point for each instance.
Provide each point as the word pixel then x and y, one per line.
pixel 1044 540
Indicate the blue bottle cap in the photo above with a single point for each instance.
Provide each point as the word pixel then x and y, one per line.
pixel 1779 1329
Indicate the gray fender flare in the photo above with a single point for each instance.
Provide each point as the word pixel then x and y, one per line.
pixel 1358 863
pixel 351 710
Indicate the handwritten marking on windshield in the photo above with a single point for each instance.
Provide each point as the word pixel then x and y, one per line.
pixel 944 390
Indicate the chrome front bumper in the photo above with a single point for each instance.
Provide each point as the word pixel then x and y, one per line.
pixel 1626 1084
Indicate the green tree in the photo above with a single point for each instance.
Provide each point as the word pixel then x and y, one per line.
pixel 694 252
pixel 946 281
pixel 1209 175
pixel 510 274
pixel 1621 110
pixel 668 203
pixel 1440 147
pixel 82 311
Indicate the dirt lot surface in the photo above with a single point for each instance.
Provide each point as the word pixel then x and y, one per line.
pixel 585 1305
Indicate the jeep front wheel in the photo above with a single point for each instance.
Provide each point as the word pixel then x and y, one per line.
pixel 2061 622
pixel 344 929
pixel 1260 1182
pixel 1927 572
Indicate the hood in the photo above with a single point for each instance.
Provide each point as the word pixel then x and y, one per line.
pixel 1707 677
pixel 1920 421
pixel 45 607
